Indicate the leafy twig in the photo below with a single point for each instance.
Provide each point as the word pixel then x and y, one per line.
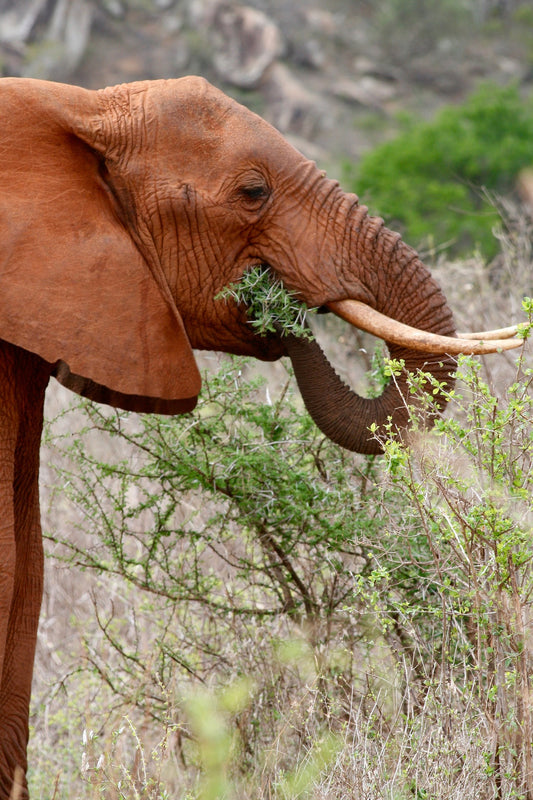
pixel 271 308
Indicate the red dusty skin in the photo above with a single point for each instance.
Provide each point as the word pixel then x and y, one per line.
pixel 403 289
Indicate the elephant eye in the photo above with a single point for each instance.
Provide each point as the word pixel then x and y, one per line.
pixel 254 194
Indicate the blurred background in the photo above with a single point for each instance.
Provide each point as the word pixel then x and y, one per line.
pixel 333 76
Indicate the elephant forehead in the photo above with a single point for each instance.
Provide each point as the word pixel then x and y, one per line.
pixel 194 118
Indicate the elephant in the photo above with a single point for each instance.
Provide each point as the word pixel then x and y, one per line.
pixel 124 212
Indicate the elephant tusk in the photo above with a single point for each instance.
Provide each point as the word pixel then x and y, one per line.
pixel 497 333
pixel 367 319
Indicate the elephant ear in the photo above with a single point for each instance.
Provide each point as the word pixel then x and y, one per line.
pixel 73 287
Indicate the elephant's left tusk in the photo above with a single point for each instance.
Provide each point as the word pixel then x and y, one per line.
pixel 372 321
pixel 497 333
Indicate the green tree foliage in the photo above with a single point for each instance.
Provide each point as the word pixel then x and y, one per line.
pixel 435 180
pixel 256 470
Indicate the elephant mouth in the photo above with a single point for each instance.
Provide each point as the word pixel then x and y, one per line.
pixel 277 313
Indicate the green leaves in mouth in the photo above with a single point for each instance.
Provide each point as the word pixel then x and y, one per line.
pixel 270 307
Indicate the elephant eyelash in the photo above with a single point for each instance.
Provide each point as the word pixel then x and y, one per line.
pixel 255 192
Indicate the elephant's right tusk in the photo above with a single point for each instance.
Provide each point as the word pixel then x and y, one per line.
pixel 372 321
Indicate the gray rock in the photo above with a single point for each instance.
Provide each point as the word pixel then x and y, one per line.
pixel 293 107
pixel 16 24
pixel 64 44
pixel 246 43
pixel 366 91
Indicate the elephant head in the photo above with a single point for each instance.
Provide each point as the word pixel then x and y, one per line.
pixel 126 211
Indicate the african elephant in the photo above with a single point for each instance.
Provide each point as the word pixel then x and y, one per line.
pixel 123 214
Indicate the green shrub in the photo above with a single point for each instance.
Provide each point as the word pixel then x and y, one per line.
pixel 435 180
pixel 457 564
pixel 284 604
pixel 234 530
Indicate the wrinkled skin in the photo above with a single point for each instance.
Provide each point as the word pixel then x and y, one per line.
pixel 123 213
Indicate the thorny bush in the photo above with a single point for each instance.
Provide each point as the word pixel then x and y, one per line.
pixel 386 602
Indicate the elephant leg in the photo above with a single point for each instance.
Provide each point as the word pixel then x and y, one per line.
pixel 23 379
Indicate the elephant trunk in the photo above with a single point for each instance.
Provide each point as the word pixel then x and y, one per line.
pixel 396 283
pixel 344 416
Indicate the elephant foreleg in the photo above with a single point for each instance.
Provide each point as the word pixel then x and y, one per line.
pixel 23 379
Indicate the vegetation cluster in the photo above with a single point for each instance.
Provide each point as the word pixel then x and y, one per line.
pixel 279 618
pixel 437 180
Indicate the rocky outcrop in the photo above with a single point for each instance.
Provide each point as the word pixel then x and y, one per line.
pixel 366 91
pixel 246 43
pixel 291 106
pixel 58 34
pixel 17 22
pixel 316 73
